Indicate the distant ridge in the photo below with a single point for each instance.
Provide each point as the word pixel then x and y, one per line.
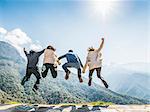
pixel 52 91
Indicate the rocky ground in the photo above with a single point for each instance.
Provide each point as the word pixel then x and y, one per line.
pixel 73 108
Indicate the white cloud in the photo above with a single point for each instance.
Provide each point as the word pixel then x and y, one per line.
pixel 35 47
pixel 2 31
pixel 19 40
pixel 2 34
pixel 18 37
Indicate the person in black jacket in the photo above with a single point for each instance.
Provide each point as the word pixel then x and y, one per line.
pixel 32 60
pixel 72 61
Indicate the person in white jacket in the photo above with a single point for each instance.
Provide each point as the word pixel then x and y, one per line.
pixel 94 62
pixel 50 62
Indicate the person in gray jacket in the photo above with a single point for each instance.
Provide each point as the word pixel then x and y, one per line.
pixel 32 61
pixel 94 62
pixel 72 61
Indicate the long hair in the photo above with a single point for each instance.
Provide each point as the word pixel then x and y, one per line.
pixel 91 49
pixel 51 47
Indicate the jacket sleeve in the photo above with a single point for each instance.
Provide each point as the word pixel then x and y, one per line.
pixel 101 46
pixel 86 64
pixel 63 56
pixel 80 62
pixel 56 59
pixel 41 52
pixel 25 52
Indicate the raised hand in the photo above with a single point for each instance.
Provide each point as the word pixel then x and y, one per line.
pixel 58 61
pixel 83 71
pixel 102 39
pixel 24 49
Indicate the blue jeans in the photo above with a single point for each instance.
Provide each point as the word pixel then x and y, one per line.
pixel 74 65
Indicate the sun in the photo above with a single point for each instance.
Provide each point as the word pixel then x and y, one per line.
pixel 103 8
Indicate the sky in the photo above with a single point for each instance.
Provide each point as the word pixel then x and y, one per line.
pixel 79 24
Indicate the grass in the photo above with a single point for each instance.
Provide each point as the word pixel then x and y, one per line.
pixel 101 103
pixel 98 103
pixel 12 102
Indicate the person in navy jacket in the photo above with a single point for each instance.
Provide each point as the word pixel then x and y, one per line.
pixel 72 61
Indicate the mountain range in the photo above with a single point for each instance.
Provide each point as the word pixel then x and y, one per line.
pixel 128 79
pixel 51 91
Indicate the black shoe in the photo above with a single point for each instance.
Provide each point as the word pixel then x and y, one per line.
pixel 22 83
pixel 35 90
pixel 43 75
pixel 90 82
pixel 67 75
pixel 105 83
pixel 36 86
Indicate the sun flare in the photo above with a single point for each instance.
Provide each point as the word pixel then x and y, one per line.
pixel 103 8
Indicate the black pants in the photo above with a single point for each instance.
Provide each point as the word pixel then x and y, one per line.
pixel 29 72
pixel 98 70
pixel 52 69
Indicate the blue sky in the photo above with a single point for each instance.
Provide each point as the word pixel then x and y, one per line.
pixel 71 24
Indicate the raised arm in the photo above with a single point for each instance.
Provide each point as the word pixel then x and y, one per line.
pixel 25 51
pixel 41 52
pixel 101 45
pixel 80 62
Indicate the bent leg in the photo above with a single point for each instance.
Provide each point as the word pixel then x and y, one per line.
pixel 66 70
pixel 38 77
pixel 79 75
pixel 65 67
pixel 53 71
pixel 44 70
pixel 26 77
pixel 98 70
pixel 90 76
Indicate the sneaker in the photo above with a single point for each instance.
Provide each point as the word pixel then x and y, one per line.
pixel 36 86
pixel 22 83
pixel 90 82
pixel 35 90
pixel 67 75
pixel 81 80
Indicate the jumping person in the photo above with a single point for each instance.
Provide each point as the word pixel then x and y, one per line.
pixel 72 61
pixel 32 58
pixel 50 62
pixel 94 62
